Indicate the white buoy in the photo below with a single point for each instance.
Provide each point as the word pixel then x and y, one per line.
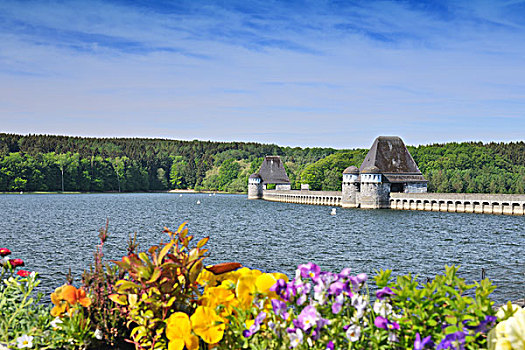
pixel 21 192
pixel 333 212
pixel 180 195
pixel 209 195
pixel 198 202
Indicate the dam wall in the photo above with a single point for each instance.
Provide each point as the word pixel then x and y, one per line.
pixel 506 204
pixel 332 198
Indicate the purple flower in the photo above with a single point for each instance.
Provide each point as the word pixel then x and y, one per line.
pixel 330 345
pixel 362 277
pixel 455 341
pixel 283 289
pixel 483 325
pixel 255 326
pixel 381 322
pixel 307 318
pixel 279 286
pixel 337 288
pixel 380 294
pixel 280 308
pixel 309 270
pixel 345 272
pixel 420 344
pixel 357 280
pixel 302 290
pixel 338 304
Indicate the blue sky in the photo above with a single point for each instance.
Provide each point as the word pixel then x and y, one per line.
pixel 295 73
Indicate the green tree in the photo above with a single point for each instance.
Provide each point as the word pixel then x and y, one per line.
pixel 178 168
pixel 228 171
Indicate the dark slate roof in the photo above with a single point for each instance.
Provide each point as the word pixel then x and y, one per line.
pixel 351 170
pixel 272 171
pixel 371 170
pixel 391 156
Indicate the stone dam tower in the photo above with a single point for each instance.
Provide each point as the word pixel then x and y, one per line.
pixel 272 172
pixel 388 167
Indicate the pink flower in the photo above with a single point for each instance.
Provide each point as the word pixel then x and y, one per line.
pixel 4 251
pixel 16 262
pixel 23 273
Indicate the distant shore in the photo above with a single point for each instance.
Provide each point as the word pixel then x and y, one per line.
pixel 114 192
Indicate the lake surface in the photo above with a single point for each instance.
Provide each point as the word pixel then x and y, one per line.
pixel 53 233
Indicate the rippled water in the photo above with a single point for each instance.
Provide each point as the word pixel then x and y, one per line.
pixel 55 232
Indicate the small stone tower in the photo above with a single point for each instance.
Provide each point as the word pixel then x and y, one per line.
pixel 255 186
pixel 350 189
pixel 375 190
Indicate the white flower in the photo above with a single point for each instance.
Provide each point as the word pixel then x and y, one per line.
pixel 392 337
pixel 310 342
pixel 360 305
pixel 353 333
pixel 4 261
pixel 319 293
pixel 55 323
pixel 24 341
pixel 296 338
pixel 98 334
pixel 382 308
pixel 515 329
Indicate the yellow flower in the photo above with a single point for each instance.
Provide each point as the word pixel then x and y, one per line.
pixel 206 278
pixel 178 331
pixel 221 295
pixel 207 324
pixel 59 309
pixel 245 290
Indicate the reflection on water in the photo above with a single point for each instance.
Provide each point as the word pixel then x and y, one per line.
pixel 55 232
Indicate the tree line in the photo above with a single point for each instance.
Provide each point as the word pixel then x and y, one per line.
pixel 63 163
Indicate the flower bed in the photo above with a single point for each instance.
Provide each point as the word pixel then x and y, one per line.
pixel 166 298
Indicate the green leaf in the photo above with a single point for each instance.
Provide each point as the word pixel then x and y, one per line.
pixel 451 329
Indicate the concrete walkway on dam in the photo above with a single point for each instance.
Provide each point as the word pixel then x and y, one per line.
pixel 507 204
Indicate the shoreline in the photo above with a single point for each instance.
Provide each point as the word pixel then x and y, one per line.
pixel 189 191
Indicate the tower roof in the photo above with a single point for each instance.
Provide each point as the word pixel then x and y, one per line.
pixel 272 171
pixel 351 170
pixel 390 155
pixel 255 176
pixel 371 170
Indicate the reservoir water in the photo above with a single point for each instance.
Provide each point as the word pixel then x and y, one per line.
pixel 53 233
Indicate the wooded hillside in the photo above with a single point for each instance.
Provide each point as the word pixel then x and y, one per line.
pixel 56 163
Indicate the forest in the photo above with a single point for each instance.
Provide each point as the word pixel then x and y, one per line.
pixel 80 164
